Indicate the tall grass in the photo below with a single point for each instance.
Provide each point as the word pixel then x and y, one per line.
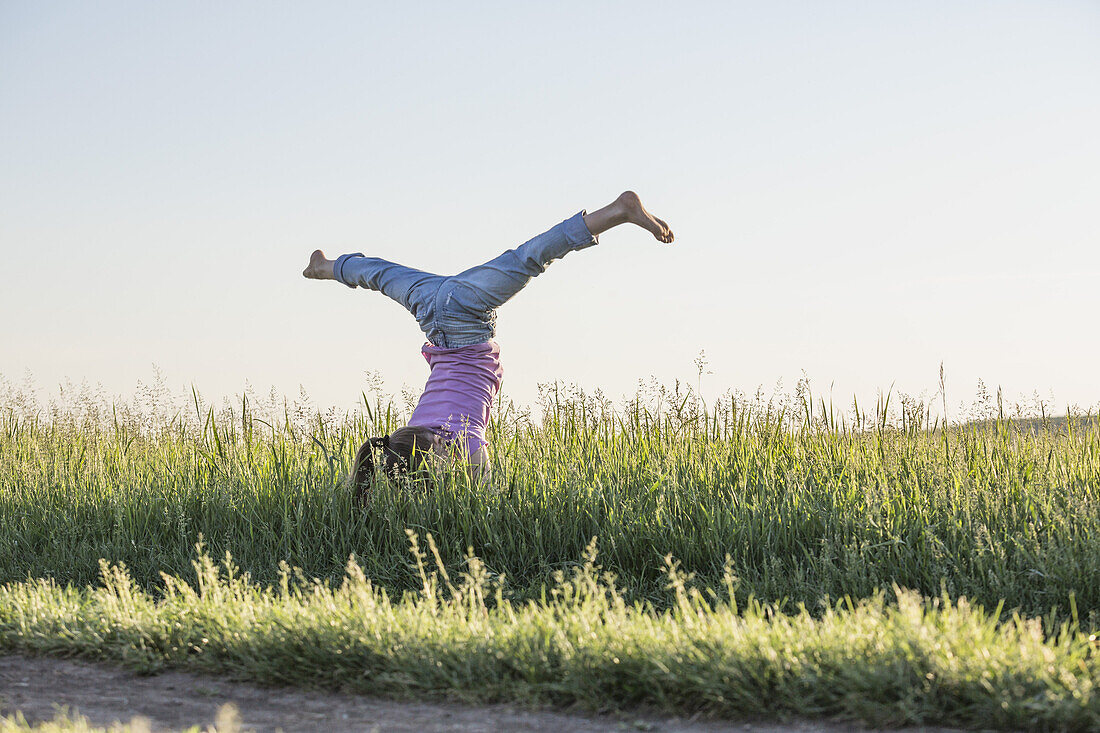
pixel 908 662
pixel 805 506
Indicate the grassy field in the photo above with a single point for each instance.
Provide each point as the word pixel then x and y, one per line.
pixel 812 527
pixel 805 509
pixel 906 662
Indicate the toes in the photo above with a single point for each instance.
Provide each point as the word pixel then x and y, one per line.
pixel 665 234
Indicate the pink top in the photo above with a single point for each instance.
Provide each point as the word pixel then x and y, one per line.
pixel 460 391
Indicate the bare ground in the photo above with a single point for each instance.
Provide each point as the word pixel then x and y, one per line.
pixel 37 686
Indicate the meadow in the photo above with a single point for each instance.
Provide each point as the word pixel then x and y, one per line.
pixel 750 556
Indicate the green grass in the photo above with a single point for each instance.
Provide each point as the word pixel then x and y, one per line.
pixel 905 662
pixel 804 508
pixel 772 513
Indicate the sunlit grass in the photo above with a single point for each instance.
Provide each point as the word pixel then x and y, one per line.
pixel 905 662
pixel 805 508
pixel 814 556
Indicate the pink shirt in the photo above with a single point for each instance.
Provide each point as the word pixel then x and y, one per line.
pixel 460 391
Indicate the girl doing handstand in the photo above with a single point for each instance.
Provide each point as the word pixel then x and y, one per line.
pixel 457 315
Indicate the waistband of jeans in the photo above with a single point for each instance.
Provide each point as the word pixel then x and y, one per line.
pixel 460 341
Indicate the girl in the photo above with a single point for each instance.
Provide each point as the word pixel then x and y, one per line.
pixel 458 316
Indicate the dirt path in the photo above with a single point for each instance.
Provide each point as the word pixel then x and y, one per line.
pixel 176 700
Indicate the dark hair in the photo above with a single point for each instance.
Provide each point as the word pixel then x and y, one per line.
pixel 403 450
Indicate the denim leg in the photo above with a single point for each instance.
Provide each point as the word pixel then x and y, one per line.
pixel 414 289
pixel 487 287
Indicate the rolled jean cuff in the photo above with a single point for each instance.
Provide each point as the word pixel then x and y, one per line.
pixel 338 268
pixel 576 232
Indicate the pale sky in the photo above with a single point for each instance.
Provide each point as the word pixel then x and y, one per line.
pixel 859 190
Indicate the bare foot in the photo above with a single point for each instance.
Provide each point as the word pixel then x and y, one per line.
pixel 635 213
pixel 319 267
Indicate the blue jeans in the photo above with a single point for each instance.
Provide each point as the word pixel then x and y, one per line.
pixel 460 310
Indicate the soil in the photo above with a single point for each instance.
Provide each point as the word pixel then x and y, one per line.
pixel 172 701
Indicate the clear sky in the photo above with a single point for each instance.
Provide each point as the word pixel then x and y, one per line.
pixel 859 190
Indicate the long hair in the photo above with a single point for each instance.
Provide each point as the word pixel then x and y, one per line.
pixel 405 449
